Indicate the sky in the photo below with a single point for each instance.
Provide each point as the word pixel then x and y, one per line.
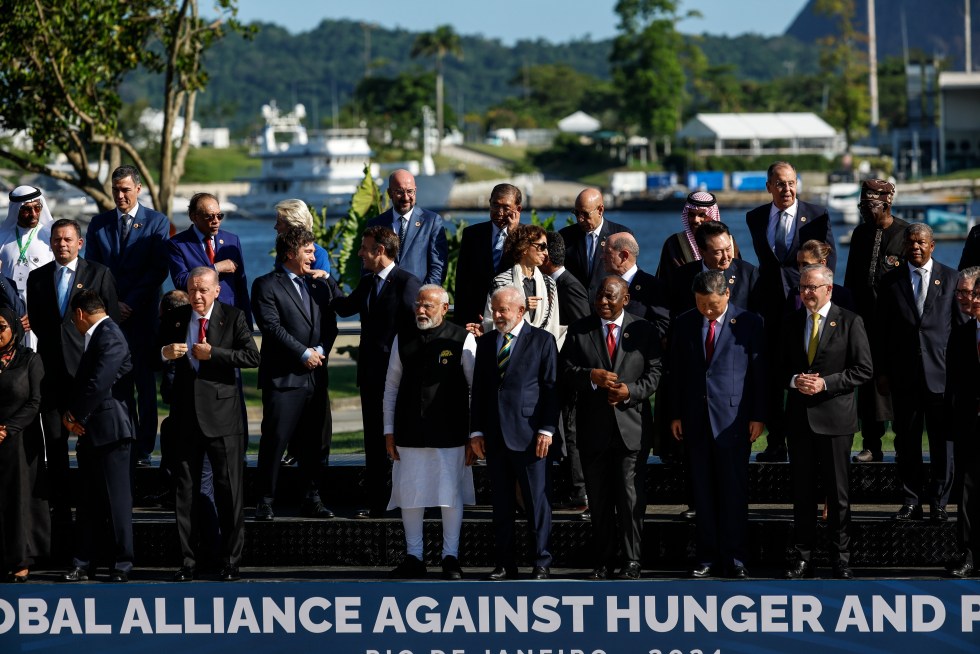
pixel 557 21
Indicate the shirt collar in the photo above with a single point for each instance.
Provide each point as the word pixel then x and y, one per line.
pixel 557 273
pixel 927 265
pixel 195 316
pixel 630 274
pixel 132 213
pixel 71 265
pixel 598 228
pixel 387 271
pixel 91 330
pixel 824 310
pixel 720 319
pixel 774 211
pixel 618 320
pixel 515 332
pixel 199 233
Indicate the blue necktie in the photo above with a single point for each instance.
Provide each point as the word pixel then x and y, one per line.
pixel 64 286
pixel 498 249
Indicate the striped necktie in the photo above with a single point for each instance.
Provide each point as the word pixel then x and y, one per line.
pixel 503 355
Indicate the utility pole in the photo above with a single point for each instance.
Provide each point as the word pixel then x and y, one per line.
pixel 873 70
pixel 968 40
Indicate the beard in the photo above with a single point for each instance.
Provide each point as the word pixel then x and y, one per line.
pixel 425 323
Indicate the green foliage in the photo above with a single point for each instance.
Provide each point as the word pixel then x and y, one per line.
pixel 841 62
pixel 394 104
pixel 208 165
pixel 344 239
pixel 453 239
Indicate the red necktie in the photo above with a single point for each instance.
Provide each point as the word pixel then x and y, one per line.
pixel 209 249
pixel 611 340
pixel 709 342
pixel 202 330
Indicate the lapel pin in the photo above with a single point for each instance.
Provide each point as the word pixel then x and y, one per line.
pixel 36 259
pixel 833 324
pixel 221 241
pixel 802 219
pixel 418 224
pixel 732 321
pixel 137 225
pixel 602 243
pixel 626 335
pixel 936 282
pixel 731 280
pixel 637 287
pixel 445 361
pixel 78 286
pixel 177 324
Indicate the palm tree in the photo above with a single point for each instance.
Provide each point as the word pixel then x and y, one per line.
pixel 443 41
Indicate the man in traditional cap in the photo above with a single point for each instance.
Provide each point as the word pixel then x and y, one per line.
pixel 877 246
pixel 25 242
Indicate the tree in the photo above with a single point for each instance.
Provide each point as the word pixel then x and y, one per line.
pixel 646 65
pixel 63 63
pixel 439 43
pixel 845 76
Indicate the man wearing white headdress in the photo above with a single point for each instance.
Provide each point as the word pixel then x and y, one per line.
pixel 25 241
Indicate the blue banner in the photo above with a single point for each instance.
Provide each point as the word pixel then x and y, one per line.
pixel 552 617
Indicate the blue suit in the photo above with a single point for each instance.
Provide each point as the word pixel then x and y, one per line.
pixel 139 265
pixel 425 250
pixel 510 412
pixel 715 400
pixel 100 403
pixel 186 252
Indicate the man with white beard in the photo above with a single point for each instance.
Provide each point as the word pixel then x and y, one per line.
pixel 426 420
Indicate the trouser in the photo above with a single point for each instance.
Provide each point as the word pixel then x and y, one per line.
pixel 913 410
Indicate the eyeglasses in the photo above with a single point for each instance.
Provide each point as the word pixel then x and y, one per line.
pixel 963 292
pixel 501 210
pixel 583 214
pixel 812 288
pixel 541 247
pixel 408 192
pixel 212 216
pixel 34 207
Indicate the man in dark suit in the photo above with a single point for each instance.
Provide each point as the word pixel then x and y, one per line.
pixel 613 361
pixel 824 357
pixel 513 417
pixel 717 407
pixel 205 244
pixel 298 331
pixel 877 246
pixel 131 241
pixel 481 254
pixel 584 241
pixel 777 230
pixel 916 310
pixel 963 400
pixel 717 253
pixel 649 299
pixel 573 299
pixel 99 414
pixel 49 292
pixel 422 246
pixel 209 341
pixel 385 298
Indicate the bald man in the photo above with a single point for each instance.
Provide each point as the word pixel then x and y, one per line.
pixel 584 240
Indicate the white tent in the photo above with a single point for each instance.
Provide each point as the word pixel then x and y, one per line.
pixel 579 123
pixel 763 133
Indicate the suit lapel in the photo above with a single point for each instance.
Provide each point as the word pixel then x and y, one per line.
pixel 829 330
pixel 906 290
pixel 935 287
pixel 289 288
pixel 598 338
pixel 411 231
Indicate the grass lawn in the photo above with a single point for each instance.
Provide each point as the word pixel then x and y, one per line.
pixel 887 442
pixel 348 442
pixel 206 165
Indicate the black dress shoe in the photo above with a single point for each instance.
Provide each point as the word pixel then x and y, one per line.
pixel 585 516
pixel 738 571
pixel 963 571
pixel 701 571
pixel 450 569
pixel 362 514
pixel 598 574
pixel 689 513
pixel 799 570
pixel 317 510
pixel 938 514
pixel 229 573
pixel 867 456
pixel 144 462
pixel 118 576
pixel 540 572
pixel 185 573
pixel 263 512
pixel 502 574
pixel 843 571
pixel 76 574
pixel 410 568
pixel 631 570
pixel 909 512
pixel 772 455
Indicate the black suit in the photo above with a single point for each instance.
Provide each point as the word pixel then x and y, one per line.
pixel 573 299
pixel 206 408
pixel 743 286
pixel 295 404
pixel 101 401
pixel 60 346
pixel 911 352
pixel 650 300
pixel 822 426
pixel 963 400
pixel 971 249
pixel 577 254
pixel 475 272
pixel 509 412
pixel 391 310
pixel 614 440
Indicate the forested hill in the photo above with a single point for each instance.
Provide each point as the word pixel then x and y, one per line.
pixel 325 64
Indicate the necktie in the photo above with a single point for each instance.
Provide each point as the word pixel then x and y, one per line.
pixel 811 348
pixel 709 341
pixel 782 229
pixel 611 340
pixel 375 284
pixel 202 330
pixel 401 234
pixel 64 286
pixel 126 222
pixel 592 238
pixel 920 297
pixel 209 249
pixel 498 248
pixel 503 355
pixel 304 299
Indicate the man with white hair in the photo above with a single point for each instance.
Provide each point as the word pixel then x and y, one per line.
pixel 25 241
pixel 426 415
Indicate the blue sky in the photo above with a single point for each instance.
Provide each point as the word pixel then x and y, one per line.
pixel 509 20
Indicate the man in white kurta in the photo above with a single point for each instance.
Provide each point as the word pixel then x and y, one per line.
pixel 426 425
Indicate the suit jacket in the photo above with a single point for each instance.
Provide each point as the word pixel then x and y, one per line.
pixel 139 265
pixel 208 399
pixel 59 343
pixel 843 359
pixel 649 300
pixel 971 249
pixel 10 296
pixel 289 329
pixel 185 252
pixel 509 412
pixel 963 379
pixel 425 251
pixel 102 393
pixel 731 387
pixel 812 222
pixel 474 272
pixel 637 362
pixel 577 254
pixel 909 349
pixel 573 299
pixel 392 310
pixel 743 284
